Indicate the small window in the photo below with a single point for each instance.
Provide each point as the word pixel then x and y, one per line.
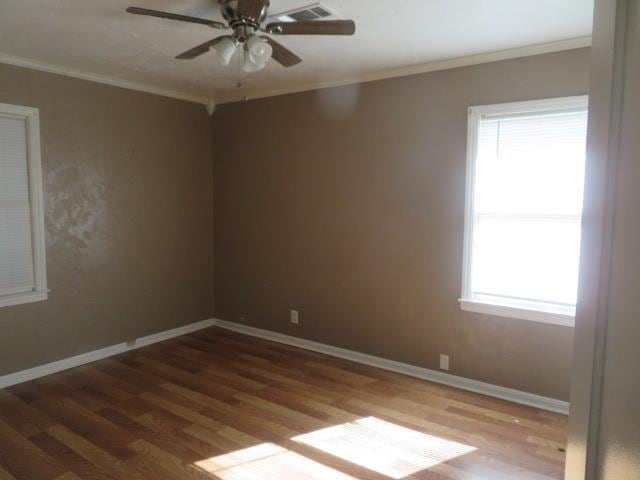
pixel 525 179
pixel 22 252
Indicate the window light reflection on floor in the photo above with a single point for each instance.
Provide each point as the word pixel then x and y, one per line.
pixel 383 447
pixel 267 462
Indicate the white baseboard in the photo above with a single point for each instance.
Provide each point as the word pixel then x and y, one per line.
pixel 516 396
pixel 60 365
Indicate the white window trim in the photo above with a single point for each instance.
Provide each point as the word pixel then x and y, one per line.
pixel 40 292
pixel 551 314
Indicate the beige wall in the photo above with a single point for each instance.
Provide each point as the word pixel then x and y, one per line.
pixel 354 216
pixel 127 179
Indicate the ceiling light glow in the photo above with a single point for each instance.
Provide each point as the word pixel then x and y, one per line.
pixel 257 53
pixel 225 48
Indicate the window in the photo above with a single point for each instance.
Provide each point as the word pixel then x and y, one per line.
pixel 22 255
pixel 525 177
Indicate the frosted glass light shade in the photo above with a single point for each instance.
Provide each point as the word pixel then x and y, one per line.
pixel 259 50
pixel 225 48
pixel 250 66
pixel 257 53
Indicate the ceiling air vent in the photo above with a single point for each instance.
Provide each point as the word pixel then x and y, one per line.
pixel 316 11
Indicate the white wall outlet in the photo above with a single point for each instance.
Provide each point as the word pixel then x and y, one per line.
pixel 444 362
pixel 294 317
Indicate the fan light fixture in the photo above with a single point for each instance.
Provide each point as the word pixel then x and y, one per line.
pixel 257 53
pixel 225 48
pixel 246 18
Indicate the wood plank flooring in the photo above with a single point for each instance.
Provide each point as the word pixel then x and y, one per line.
pixel 218 405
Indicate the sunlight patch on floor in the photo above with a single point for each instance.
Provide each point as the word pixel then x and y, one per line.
pixel 384 447
pixel 268 462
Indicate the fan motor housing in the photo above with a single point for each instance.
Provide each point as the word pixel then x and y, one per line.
pixel 230 13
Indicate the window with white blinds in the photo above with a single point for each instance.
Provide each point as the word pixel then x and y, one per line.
pixel 524 204
pixel 22 263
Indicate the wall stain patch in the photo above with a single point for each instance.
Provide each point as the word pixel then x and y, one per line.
pixel 75 211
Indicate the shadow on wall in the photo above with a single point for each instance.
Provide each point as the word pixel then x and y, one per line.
pixel 338 103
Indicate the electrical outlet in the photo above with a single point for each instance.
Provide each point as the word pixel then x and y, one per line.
pixel 444 362
pixel 294 317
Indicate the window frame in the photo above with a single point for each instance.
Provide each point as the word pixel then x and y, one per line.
pixel 536 313
pixel 31 116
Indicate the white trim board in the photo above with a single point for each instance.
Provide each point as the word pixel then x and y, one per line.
pixel 84 358
pixel 104 79
pixel 516 396
pixel 467 61
pixel 559 46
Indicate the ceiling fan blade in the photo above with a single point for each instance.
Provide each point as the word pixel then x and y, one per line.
pixel 200 49
pixel 251 8
pixel 282 54
pixel 175 16
pixel 313 27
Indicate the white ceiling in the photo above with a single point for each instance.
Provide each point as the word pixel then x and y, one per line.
pixel 98 38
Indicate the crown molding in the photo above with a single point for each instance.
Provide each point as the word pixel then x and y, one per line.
pixel 104 79
pixel 540 49
pixel 221 97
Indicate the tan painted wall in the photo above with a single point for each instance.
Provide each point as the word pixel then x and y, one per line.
pixel 347 204
pixel 127 179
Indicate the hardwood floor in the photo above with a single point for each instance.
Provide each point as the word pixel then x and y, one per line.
pixel 218 405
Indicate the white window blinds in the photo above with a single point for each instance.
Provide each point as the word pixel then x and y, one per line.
pixel 16 249
pixel 526 208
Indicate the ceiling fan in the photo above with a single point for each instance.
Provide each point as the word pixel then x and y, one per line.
pixel 245 18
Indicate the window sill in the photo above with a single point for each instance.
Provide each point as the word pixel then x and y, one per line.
pixel 20 298
pixel 508 311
